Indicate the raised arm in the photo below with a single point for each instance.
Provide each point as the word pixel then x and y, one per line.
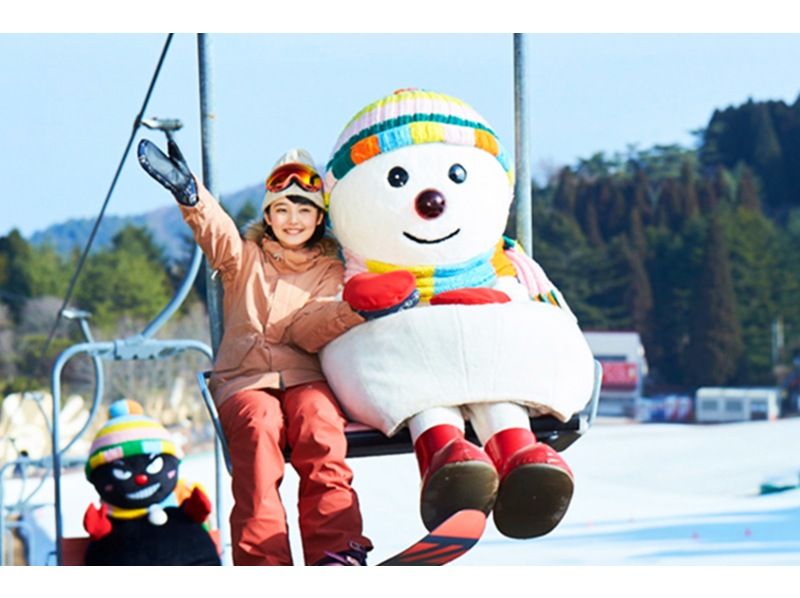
pixel 213 229
pixel 216 233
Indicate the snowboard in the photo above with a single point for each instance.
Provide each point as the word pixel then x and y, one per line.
pixel 445 543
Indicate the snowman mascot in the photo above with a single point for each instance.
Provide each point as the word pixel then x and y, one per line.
pixel 461 324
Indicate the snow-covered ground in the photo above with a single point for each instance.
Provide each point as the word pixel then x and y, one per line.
pixel 646 494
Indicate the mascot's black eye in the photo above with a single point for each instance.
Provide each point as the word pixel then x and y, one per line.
pixel 397 176
pixel 457 174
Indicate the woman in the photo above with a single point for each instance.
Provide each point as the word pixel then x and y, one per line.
pixel 280 284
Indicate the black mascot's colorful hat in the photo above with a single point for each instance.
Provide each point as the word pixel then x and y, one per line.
pixel 129 432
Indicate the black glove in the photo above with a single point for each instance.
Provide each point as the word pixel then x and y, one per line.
pixel 172 172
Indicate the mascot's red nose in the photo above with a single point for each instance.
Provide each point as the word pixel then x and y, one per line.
pixel 140 479
pixel 430 204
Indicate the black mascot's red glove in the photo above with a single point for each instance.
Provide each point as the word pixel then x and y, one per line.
pixel 375 295
pixel 470 297
pixel 96 522
pixel 197 507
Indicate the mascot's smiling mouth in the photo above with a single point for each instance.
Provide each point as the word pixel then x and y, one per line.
pixel 144 493
pixel 431 241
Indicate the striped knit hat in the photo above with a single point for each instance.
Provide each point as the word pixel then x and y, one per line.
pixel 128 432
pixel 408 117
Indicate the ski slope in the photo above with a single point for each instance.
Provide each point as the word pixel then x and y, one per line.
pixel 655 494
pixel 646 494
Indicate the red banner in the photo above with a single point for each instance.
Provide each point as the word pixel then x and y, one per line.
pixel 619 374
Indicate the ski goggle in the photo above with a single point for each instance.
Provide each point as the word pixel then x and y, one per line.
pixel 302 174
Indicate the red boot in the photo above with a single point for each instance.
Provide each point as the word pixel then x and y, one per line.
pixel 536 484
pixel 456 475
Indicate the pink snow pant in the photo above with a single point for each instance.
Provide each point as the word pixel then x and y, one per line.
pixel 257 425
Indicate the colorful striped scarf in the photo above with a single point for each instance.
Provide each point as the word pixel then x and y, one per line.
pixel 506 258
pixel 532 276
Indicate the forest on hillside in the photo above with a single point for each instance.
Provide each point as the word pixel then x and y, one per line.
pixel 698 249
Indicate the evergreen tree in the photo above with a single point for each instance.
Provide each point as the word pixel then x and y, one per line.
pixel 27 272
pixel 690 206
pixel 614 208
pixel 670 213
pixel 642 197
pixel 664 161
pixel 562 250
pixel 715 343
pixel 707 196
pixel 138 240
pixel 126 281
pixel 599 165
pixel 607 271
pixel 565 196
pixel 4 267
pixel 591 225
pixel 724 185
pixel 789 132
pixel 620 287
pixel 48 272
pixel 672 265
pixel 638 292
pixel 787 284
pixel 765 137
pixel 754 248
pixel 636 236
pixel 16 282
pixel 767 156
pixel 747 191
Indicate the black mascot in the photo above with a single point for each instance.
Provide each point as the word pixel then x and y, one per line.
pixel 147 515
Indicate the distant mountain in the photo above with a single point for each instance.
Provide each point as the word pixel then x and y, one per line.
pixel 165 224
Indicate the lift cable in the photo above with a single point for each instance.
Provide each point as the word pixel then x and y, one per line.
pixel 136 124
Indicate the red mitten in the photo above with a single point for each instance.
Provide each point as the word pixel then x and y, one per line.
pixel 375 295
pixel 197 506
pixel 470 297
pixel 96 522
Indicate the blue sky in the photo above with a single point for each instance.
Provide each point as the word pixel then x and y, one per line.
pixel 69 100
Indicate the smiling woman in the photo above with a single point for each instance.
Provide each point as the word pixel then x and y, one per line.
pixel 294 222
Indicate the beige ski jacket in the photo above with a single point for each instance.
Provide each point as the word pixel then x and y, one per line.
pixel 280 305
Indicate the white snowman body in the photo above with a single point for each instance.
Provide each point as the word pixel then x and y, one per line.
pixel 497 363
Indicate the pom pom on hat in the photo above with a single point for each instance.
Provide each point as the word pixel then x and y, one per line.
pixel 408 117
pixel 124 407
pixel 294 156
pixel 129 432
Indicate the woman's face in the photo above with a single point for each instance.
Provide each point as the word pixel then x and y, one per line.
pixel 292 223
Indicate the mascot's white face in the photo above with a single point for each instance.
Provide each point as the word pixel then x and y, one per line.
pixel 427 204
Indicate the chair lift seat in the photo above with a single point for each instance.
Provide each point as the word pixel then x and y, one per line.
pixel 364 441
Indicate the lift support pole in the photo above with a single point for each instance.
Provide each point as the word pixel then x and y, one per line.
pixel 523 195
pixel 213 285
pixel 207 116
